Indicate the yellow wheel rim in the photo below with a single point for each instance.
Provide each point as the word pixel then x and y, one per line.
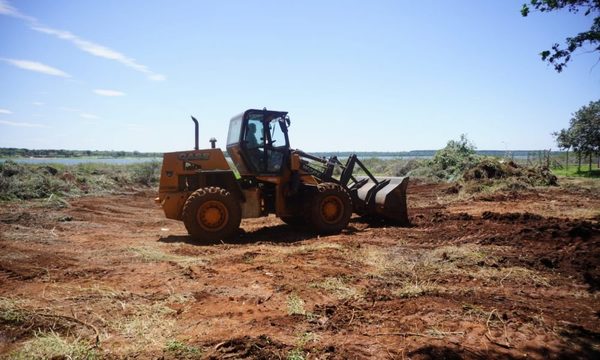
pixel 212 215
pixel 332 209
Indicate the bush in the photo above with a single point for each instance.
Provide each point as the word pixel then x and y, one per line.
pixel 448 164
pixel 147 173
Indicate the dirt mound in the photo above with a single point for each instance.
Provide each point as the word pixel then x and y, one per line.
pixel 511 217
pixel 494 169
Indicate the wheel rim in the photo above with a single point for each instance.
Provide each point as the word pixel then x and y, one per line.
pixel 332 209
pixel 212 215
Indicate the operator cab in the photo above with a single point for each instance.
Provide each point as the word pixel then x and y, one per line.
pixel 258 142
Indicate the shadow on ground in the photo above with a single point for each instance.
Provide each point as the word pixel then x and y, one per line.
pixel 271 234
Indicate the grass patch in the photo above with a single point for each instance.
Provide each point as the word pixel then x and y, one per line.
pixel 11 311
pixel 573 172
pixel 379 261
pixel 295 305
pixel 416 289
pixel 148 254
pixel 147 325
pixel 337 286
pixel 50 345
pixel 296 354
pixel 182 351
pixel 306 249
pixel 418 273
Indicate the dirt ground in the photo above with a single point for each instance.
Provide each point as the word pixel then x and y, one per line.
pixel 503 275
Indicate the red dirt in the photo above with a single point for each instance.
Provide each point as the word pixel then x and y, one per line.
pixel 508 275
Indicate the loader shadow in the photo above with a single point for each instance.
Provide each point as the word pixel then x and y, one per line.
pixel 273 235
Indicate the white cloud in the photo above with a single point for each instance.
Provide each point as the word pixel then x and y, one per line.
pixel 4 111
pixel 8 9
pixel 38 103
pixel 21 124
pixel 84 45
pixel 37 67
pixel 106 92
pixel 89 116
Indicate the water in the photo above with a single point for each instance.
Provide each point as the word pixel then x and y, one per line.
pixel 83 160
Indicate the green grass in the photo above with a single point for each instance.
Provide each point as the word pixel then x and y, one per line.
pixel 572 171
pixel 181 350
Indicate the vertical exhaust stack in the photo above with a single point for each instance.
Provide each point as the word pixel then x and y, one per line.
pixel 195 133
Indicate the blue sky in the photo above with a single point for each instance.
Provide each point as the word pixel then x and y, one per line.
pixel 354 75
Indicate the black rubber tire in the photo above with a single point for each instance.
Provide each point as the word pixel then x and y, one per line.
pixel 220 205
pixel 294 220
pixel 333 197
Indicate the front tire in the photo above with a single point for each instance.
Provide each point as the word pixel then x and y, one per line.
pixel 212 214
pixel 329 209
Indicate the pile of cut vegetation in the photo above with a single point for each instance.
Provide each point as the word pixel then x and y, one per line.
pixel 458 163
pixel 493 168
pixel 506 175
pixel 25 181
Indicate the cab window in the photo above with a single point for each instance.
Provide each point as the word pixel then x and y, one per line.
pixel 277 134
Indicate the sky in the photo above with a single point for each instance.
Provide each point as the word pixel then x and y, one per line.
pixel 353 75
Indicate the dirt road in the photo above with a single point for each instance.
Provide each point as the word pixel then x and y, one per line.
pixel 501 275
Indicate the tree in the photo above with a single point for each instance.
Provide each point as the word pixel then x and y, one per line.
pixel 559 56
pixel 583 134
pixel 564 140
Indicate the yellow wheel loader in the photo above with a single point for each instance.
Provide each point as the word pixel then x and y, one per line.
pixel 199 187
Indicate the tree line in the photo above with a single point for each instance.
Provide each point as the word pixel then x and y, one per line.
pixel 583 134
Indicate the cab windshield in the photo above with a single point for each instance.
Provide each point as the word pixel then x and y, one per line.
pixel 265 142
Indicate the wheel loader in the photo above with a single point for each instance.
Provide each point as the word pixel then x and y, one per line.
pixel 200 188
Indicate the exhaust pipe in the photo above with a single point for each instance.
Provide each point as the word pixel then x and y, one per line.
pixel 195 133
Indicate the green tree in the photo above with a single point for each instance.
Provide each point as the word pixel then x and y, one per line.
pixel 564 140
pixel 559 56
pixel 583 134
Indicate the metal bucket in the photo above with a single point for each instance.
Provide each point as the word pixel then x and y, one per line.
pixel 385 198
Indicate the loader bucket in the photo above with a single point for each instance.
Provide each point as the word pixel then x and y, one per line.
pixel 385 199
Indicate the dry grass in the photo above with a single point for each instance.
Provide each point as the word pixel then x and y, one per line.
pixel 295 305
pixel 306 249
pixel 50 345
pixel 414 289
pixel 146 321
pixel 12 310
pixel 377 261
pixel 150 254
pixel 418 273
pixel 336 286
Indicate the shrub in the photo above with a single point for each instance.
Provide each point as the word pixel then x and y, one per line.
pixel 146 173
pixel 450 162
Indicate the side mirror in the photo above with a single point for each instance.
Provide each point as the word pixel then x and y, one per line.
pixel 287 121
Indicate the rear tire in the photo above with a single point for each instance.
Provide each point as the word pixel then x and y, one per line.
pixel 328 209
pixel 212 214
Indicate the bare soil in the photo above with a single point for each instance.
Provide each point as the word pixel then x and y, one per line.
pixel 501 275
